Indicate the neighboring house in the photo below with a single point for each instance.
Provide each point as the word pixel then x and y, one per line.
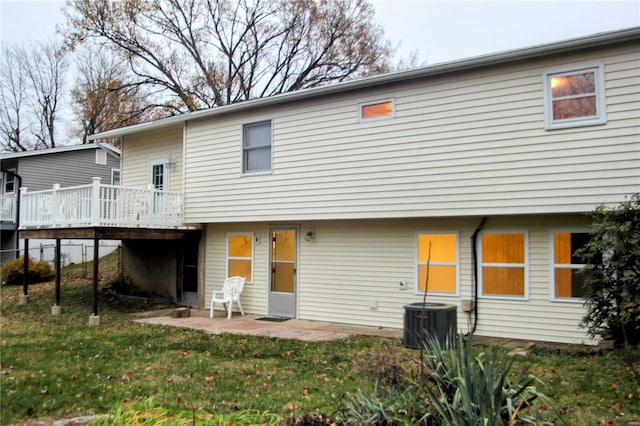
pixel 334 202
pixel 41 170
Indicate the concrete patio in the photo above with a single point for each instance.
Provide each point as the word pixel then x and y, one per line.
pixel 252 326
pixel 314 331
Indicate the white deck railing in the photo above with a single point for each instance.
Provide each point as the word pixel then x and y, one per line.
pixel 8 208
pixel 99 205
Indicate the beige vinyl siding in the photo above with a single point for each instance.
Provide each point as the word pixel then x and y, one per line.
pixel 351 264
pixel 466 144
pixel 254 296
pixel 139 149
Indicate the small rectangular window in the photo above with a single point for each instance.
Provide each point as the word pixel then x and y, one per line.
pixel 101 157
pixel 9 182
pixel 115 177
pixel 503 265
pixel 438 251
pixel 256 147
pixel 574 97
pixel 240 255
pixel 376 110
pixel 567 280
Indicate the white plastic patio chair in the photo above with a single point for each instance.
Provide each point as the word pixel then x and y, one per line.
pixel 230 293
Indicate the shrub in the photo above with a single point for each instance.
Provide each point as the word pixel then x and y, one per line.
pixel 612 280
pixel 122 285
pixel 13 272
pixel 388 367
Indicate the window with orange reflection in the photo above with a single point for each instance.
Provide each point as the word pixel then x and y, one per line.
pixel 568 281
pixel 437 252
pixel 240 255
pixel 503 269
pixel 575 97
pixel 376 110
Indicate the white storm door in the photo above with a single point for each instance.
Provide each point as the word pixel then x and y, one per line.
pixel 283 277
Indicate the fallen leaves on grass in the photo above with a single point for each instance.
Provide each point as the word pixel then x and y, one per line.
pixel 290 406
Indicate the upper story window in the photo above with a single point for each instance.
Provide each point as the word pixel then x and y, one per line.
pixel 377 110
pixel 503 265
pixel 101 157
pixel 574 97
pixel 256 147
pixel 8 182
pixel 567 279
pixel 439 252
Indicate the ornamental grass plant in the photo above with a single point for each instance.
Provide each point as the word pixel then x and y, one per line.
pixel 467 389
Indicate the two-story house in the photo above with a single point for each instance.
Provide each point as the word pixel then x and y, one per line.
pixel 336 202
pixel 38 170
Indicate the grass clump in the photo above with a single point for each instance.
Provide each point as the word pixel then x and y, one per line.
pixel 149 412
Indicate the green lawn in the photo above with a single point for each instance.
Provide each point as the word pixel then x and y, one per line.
pixel 57 367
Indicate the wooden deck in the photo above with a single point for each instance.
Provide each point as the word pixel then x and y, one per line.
pixel 111 233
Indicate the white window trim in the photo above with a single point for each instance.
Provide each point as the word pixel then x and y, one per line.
pixel 253 251
pixel 6 177
pixel 417 265
pixel 165 161
pixel 600 118
pixel 481 294
pixel 256 172
pixel 113 171
pixel 101 157
pixel 553 266
pixel 377 101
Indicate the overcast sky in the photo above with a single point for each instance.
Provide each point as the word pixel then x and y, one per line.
pixel 438 30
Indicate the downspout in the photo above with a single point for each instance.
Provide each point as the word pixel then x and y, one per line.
pixel 19 179
pixel 474 256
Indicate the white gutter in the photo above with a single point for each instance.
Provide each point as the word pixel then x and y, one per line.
pixel 107 147
pixel 596 40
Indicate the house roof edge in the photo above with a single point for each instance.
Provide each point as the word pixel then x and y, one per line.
pixel 59 149
pixel 579 43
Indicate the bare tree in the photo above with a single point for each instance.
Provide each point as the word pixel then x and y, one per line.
pixel 33 80
pixel 13 114
pixel 103 98
pixel 46 65
pixel 205 53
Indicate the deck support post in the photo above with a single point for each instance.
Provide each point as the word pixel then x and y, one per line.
pixel 24 297
pixel 94 319
pixel 57 309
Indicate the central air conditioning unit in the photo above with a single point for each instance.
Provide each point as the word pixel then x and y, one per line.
pixel 438 320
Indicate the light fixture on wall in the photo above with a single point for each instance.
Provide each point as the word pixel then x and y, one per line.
pixel 310 235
